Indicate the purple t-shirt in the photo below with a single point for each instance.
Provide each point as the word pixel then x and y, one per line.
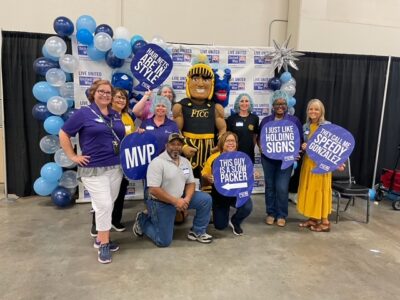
pixel 161 132
pixel 95 138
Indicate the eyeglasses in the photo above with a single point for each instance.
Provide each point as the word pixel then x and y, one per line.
pixel 230 141
pixel 104 93
pixel 123 98
pixel 280 105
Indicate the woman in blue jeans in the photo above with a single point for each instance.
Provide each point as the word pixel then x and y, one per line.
pixel 228 142
pixel 277 180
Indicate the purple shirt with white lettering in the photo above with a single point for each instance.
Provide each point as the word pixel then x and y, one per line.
pixel 95 137
pixel 160 132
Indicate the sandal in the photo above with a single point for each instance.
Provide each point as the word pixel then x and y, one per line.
pixel 308 223
pixel 321 227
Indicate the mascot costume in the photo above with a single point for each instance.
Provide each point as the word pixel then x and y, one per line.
pixel 198 117
pixel 222 87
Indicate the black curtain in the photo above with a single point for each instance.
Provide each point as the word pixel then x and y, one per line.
pixel 351 87
pixel 22 131
pixel 390 139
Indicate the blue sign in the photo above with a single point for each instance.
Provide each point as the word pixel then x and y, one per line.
pixel 233 176
pixel 329 147
pixel 280 140
pixel 151 66
pixel 136 152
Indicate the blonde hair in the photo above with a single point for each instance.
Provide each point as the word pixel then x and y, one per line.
pixel 321 106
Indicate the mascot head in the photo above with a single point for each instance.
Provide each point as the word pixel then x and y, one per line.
pixel 222 87
pixel 200 79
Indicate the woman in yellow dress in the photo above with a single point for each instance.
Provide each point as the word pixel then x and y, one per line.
pixel 315 190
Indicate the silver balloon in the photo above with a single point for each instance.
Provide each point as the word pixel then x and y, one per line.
pixel 62 159
pixel 55 77
pixel 69 179
pixel 102 41
pixel 291 111
pixel 67 91
pixel 57 105
pixel 288 89
pixel 69 63
pixel 49 144
pixel 55 46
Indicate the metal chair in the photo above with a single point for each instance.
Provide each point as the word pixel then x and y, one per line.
pixel 344 185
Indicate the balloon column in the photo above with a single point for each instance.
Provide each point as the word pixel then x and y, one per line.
pixel 55 92
pixel 284 57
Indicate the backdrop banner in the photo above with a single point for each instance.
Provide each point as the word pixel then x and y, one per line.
pixel 250 67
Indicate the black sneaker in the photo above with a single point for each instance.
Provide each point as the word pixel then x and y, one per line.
pixel 118 227
pixel 237 230
pixel 93 231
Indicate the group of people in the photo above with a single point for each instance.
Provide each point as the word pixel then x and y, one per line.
pixel 170 180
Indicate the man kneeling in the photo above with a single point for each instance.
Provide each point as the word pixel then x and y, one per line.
pixel 172 187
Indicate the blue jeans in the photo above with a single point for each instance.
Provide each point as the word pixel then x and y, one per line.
pixel 158 224
pixel 221 213
pixel 276 187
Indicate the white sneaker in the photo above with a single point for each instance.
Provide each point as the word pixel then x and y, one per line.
pixel 204 238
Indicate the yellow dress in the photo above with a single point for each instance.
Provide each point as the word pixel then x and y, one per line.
pixel 315 190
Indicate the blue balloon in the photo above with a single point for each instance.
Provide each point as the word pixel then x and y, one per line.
pixel 292 101
pixel 135 38
pixel 86 22
pixel 84 36
pixel 44 187
pixel 47 55
pixel 61 196
pixel 53 124
pixel 51 172
pixel 42 64
pixel 68 77
pixel 63 26
pixel 104 28
pixel 285 77
pixel 123 81
pixel 121 48
pixel 137 45
pixel 372 194
pixel 71 103
pixel 40 111
pixel 68 114
pixel 113 61
pixel 95 54
pixel 274 83
pixel 43 91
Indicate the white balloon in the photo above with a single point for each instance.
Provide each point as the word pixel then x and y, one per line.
pixel 291 111
pixel 67 91
pixel 158 40
pixel 122 33
pixel 62 159
pixel 102 41
pixel 55 77
pixel 288 89
pixel 49 144
pixel 57 105
pixel 69 63
pixel 55 46
pixel 68 179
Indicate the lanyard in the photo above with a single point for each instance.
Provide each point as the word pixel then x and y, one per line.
pixel 105 122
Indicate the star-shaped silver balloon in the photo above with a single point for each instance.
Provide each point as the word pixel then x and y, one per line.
pixel 284 57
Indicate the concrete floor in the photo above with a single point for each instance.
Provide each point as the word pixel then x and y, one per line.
pixel 47 253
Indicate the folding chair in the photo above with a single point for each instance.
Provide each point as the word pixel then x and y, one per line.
pixel 344 185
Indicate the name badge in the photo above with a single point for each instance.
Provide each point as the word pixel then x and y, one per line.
pixel 127 128
pixel 239 124
pixel 186 171
pixel 149 127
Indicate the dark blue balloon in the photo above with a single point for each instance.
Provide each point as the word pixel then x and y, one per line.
pixel 104 28
pixel 63 26
pixel 113 61
pixel 61 196
pixel 274 83
pixel 123 81
pixel 68 114
pixel 68 77
pixel 42 64
pixel 137 45
pixel 40 111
